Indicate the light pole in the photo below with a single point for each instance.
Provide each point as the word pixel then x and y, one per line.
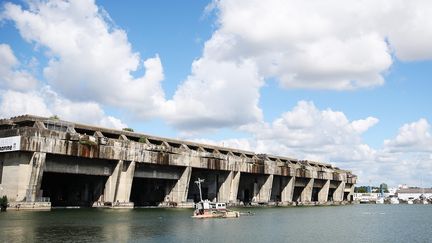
pixel 198 182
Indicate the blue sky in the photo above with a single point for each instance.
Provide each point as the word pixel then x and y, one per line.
pixel 345 83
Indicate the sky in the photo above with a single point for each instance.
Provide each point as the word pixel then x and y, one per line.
pixel 341 82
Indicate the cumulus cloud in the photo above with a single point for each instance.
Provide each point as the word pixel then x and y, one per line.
pixel 217 94
pixel 322 44
pixel 89 59
pixel 47 103
pixel 310 45
pixel 10 76
pixel 413 137
pixel 307 132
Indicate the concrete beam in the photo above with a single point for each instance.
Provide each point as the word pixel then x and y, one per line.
pixel 288 190
pixel 264 188
pixel 339 192
pixel 306 194
pixel 125 182
pixel 323 193
pixel 225 188
pixel 112 183
pixel 234 186
pixel 180 190
pixel 37 163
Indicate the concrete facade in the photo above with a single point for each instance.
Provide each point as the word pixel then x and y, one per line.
pixel 77 164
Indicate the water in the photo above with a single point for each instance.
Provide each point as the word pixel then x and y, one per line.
pixel 354 223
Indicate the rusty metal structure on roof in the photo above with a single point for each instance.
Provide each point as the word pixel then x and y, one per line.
pixel 59 163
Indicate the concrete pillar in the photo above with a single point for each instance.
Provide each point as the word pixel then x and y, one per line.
pixel 234 186
pixel 180 190
pixel 323 193
pixel 37 164
pixel 225 188
pixel 288 190
pixel 22 175
pixel 125 182
pixel 306 194
pixel 339 192
pixel 264 191
pixel 112 183
pixel 351 193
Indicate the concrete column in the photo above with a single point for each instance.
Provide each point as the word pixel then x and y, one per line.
pixel 288 190
pixel 265 190
pixel 21 175
pixel 180 190
pixel 306 194
pixel 112 183
pixel 225 188
pixel 339 192
pixel 125 182
pixel 37 164
pixel 351 193
pixel 323 193
pixel 234 186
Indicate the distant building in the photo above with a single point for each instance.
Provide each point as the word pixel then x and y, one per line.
pixel 413 193
pixel 366 197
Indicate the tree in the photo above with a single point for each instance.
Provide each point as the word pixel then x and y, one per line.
pixel 361 189
pixel 128 129
pixel 54 117
pixel 384 188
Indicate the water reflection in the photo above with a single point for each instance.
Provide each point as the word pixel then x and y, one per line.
pixel 310 224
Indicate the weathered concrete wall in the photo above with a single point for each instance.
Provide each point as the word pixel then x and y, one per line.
pixel 16 175
pixel 62 147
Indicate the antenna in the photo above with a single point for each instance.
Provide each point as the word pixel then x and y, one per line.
pixel 198 182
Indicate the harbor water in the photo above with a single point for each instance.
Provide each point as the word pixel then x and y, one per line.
pixel 351 223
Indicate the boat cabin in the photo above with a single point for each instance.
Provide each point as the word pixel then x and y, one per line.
pixel 206 205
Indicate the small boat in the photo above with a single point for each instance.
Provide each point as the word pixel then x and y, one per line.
pixel 207 209
pixel 380 200
pixel 394 200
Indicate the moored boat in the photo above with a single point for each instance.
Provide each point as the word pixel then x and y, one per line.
pixel 207 209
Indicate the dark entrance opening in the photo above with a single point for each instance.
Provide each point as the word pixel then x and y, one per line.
pixel 213 181
pixel 249 187
pixel 315 192
pixel 279 184
pixel 72 189
pixel 247 196
pixel 345 198
pixel 330 194
pixel 150 192
pixel 297 193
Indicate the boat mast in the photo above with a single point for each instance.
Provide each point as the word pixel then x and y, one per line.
pixel 198 182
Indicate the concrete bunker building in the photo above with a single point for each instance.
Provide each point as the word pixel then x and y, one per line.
pixel 48 162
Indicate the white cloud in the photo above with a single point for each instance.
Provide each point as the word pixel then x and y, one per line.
pixel 217 94
pixel 10 76
pixel 412 137
pixel 306 132
pixel 89 59
pixel 47 103
pixel 15 103
pixel 322 44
